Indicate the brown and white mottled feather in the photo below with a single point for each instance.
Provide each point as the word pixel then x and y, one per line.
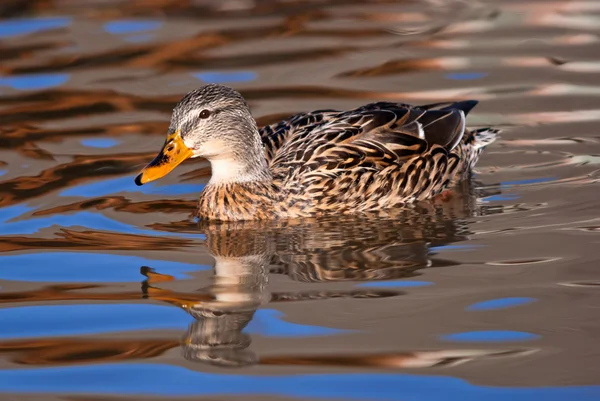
pixel 377 156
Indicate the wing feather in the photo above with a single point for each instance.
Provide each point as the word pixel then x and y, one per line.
pixel 371 137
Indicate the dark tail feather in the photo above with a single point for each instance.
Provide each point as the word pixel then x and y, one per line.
pixel 466 106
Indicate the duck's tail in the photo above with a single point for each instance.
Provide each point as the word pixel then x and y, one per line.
pixel 474 141
pixel 482 137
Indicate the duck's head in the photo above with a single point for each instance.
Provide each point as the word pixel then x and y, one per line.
pixel 213 122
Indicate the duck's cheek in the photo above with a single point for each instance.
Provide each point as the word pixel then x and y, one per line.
pixel 213 148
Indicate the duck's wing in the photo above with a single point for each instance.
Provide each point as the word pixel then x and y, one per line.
pixel 370 137
pixel 276 135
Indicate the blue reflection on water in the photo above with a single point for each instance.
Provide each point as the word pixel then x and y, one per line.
pixel 497 198
pixel 501 303
pixel 490 336
pixel 25 26
pixel 214 77
pixel 61 320
pixel 10 212
pixel 466 76
pixel 267 322
pixel 34 81
pixel 169 380
pixel 126 184
pixel 70 320
pixel 77 267
pixel 455 247
pixel 528 181
pixel 82 219
pixel 99 142
pixel 131 26
pixel 395 283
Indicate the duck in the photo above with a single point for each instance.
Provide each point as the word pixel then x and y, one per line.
pixel 379 156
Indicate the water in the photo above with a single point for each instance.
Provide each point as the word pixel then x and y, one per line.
pixel 111 290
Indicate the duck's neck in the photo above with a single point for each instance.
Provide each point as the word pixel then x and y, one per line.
pixel 241 185
pixel 236 162
pixel 233 171
pixel 251 200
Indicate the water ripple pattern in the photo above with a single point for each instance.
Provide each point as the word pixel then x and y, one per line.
pixel 108 289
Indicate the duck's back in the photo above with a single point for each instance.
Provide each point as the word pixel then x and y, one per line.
pixel 377 156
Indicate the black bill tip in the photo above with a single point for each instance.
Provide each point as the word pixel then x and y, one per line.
pixel 138 180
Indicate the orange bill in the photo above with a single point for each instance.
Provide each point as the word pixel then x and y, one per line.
pixel 172 154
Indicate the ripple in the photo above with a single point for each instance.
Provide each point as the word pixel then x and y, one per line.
pixel 500 198
pixel 132 379
pixel 501 303
pixel 520 262
pixel 126 184
pixel 131 26
pixel 403 360
pixel 587 284
pixel 268 322
pixel 99 142
pixel 219 77
pixel 25 26
pixel 558 117
pixel 141 38
pixel 71 320
pixel 77 267
pixel 398 283
pixel 466 76
pixel 11 212
pixel 82 219
pixel 80 237
pixel 34 81
pixel 490 336
pixel 574 39
pixel 529 181
pixel 464 247
pixel 589 229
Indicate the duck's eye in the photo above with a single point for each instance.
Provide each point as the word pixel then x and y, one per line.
pixel 205 113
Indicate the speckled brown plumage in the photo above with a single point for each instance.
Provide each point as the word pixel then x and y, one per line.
pixel 382 155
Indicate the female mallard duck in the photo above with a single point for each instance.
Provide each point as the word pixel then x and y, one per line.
pixel 381 155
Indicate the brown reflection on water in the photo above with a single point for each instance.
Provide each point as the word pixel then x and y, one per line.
pixel 65 351
pixel 23 135
pixel 73 292
pixel 69 351
pixel 62 176
pixel 321 250
pixel 246 254
pixel 59 104
pixel 527 230
pixel 66 239
pixel 185 52
pixel 399 360
pixel 120 203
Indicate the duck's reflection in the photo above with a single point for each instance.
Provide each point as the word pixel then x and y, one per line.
pixel 367 248
pixel 239 288
pixel 219 339
pixel 356 249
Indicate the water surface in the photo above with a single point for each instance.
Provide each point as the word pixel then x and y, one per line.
pixel 112 291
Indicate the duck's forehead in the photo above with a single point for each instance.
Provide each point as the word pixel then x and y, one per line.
pixel 209 96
